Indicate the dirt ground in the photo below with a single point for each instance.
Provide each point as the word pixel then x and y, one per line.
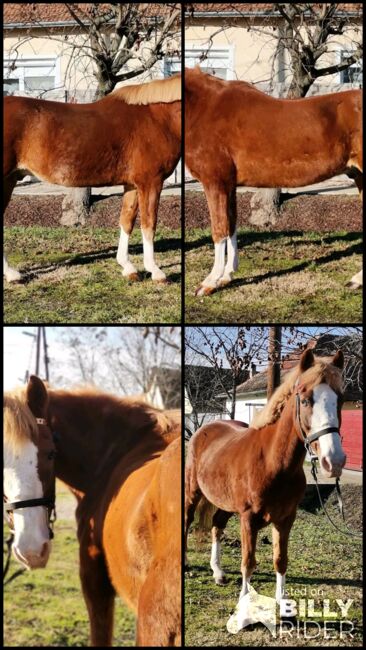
pixel 46 211
pixel 304 212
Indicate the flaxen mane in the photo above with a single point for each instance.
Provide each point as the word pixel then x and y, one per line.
pixel 19 422
pixel 322 371
pixel 160 90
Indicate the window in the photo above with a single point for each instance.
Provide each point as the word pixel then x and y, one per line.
pixel 10 86
pixel 217 61
pixel 353 74
pixel 31 76
pixel 172 64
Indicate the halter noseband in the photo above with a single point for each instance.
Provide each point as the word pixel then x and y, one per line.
pixel 48 502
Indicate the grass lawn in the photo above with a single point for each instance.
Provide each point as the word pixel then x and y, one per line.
pixel 71 276
pixel 45 607
pixel 282 277
pixel 322 565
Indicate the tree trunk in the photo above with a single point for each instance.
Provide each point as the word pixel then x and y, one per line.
pixel 75 207
pixel 265 207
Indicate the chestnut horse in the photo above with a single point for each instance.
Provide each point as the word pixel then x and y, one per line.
pixel 130 137
pixel 258 472
pixel 118 457
pixel 238 135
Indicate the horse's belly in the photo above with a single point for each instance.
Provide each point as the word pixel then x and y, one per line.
pixel 297 172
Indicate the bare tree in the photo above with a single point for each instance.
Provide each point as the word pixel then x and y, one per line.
pixel 274 359
pixel 226 349
pixel 120 359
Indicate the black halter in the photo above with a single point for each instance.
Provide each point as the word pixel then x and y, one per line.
pixel 48 502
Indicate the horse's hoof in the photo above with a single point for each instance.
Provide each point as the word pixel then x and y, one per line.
pixel 13 276
pixel 161 280
pixel 133 277
pixel 353 285
pixel 221 581
pixel 204 291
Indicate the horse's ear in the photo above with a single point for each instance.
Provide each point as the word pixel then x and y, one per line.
pixel 37 396
pixel 306 360
pixel 338 359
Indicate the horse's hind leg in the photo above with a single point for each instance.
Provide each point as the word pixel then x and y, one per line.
pixel 249 533
pixel 127 220
pixel 149 196
pixel 356 281
pixel 221 204
pixel 11 275
pixel 219 522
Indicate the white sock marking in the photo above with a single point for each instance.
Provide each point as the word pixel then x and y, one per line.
pixel 122 254
pixel 149 261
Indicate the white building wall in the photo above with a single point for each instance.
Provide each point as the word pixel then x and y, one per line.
pixel 245 408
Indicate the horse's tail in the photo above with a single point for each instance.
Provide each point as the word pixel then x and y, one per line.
pixel 204 513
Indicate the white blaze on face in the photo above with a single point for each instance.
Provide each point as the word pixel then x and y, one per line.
pixel 21 482
pixel 325 414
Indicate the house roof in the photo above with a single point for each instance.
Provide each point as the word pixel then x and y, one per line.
pixel 252 8
pixel 325 345
pixel 23 14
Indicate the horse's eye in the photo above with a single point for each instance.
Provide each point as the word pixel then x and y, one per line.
pixel 51 455
pixel 305 401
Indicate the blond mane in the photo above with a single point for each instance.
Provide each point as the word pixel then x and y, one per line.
pixel 160 90
pixel 322 371
pixel 19 422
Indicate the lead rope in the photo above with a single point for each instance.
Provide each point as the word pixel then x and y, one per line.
pixel 339 497
pixel 17 573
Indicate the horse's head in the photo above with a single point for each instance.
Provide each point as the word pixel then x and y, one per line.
pixel 318 402
pixel 29 472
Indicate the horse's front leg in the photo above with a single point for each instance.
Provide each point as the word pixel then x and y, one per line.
pixel 127 220
pixel 148 197
pixel 280 536
pixel 249 532
pixel 221 201
pixel 98 592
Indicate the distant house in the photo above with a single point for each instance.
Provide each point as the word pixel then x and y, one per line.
pixel 205 400
pixel 251 395
pixel 165 388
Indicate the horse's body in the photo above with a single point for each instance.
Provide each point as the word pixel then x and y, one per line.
pixel 258 472
pixel 238 135
pixel 118 457
pixel 130 137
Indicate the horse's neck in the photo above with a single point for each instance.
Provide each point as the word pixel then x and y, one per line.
pixel 88 442
pixel 290 452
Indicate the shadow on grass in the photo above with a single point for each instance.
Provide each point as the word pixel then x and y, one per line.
pixel 246 239
pixel 160 246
